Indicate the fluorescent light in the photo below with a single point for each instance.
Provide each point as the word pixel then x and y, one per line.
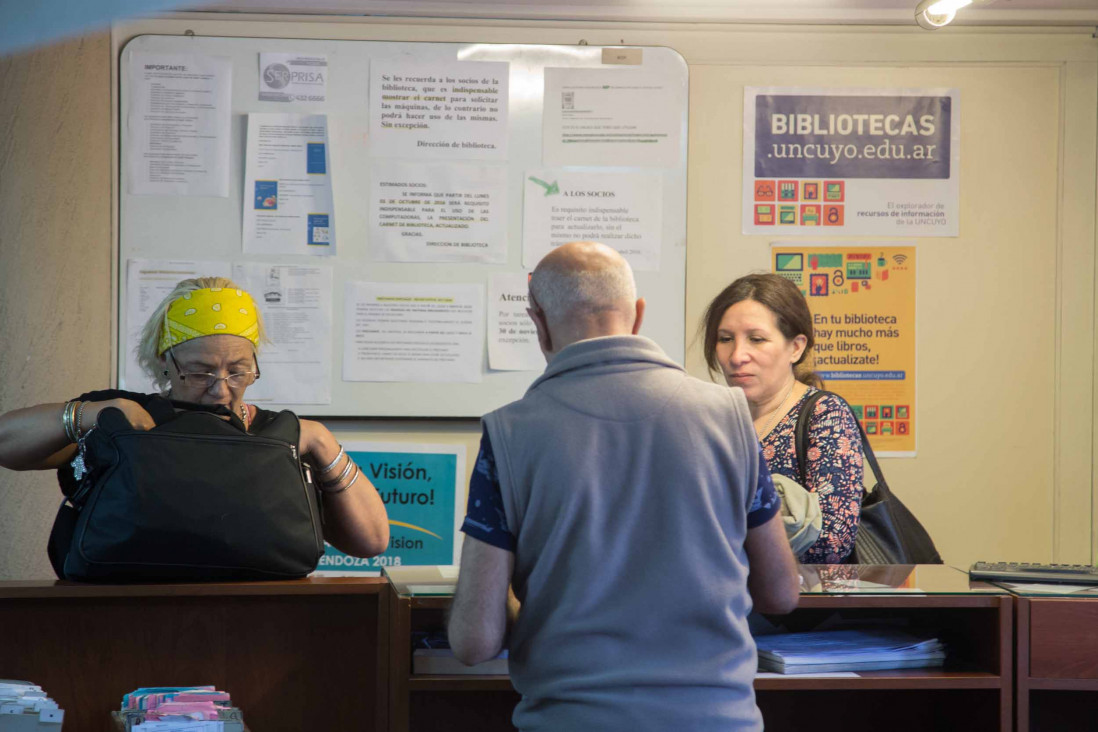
pixel 943 7
pixel 933 14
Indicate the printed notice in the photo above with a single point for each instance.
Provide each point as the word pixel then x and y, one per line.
pixel 292 77
pixel 512 337
pixel 862 298
pixel 178 125
pixel 413 333
pixel 438 213
pixel 440 111
pixel 296 302
pixel 288 186
pixel 148 282
pixel 863 161
pixel 621 211
pixel 420 485
pixel 612 117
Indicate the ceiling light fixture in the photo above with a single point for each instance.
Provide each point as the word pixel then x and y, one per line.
pixel 933 14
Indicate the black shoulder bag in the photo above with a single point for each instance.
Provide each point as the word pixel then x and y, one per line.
pixel 888 533
pixel 194 498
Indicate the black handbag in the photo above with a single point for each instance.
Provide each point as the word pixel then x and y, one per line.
pixel 194 498
pixel 888 533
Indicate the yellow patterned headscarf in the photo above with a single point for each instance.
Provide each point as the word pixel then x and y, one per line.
pixel 210 311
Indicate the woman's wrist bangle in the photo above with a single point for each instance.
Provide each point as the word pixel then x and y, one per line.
pixel 67 420
pixel 333 463
pixel 329 489
pixel 347 467
pixel 80 420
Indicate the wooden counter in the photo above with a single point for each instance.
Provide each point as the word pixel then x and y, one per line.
pixel 298 655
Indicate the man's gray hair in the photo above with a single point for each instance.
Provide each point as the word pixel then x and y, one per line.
pixel 567 293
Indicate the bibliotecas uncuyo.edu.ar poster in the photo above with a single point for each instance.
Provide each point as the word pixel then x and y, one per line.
pixel 862 298
pixel 419 485
pixel 877 162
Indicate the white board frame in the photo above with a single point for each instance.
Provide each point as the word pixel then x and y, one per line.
pixel 166 227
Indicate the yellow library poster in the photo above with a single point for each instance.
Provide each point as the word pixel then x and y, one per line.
pixel 862 298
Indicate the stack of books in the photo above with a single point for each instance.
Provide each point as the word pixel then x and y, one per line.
pixel 847 650
pixel 25 707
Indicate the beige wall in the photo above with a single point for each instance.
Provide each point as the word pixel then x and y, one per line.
pixel 1005 311
pixel 55 257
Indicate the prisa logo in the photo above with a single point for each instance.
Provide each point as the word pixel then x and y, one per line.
pixel 276 76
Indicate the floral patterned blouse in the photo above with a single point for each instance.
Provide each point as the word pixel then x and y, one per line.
pixel 834 471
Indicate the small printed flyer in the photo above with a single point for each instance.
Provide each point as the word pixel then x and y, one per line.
pixel 862 298
pixel 877 162
pixel 420 486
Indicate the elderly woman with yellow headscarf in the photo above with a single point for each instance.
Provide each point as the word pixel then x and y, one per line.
pixel 201 346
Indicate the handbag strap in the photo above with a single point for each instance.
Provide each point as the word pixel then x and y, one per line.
pixel 801 440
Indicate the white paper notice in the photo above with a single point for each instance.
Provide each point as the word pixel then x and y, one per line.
pixel 438 213
pixel 512 338
pixel 612 118
pixel 296 302
pixel 413 333
pixel 287 186
pixel 440 111
pixel 623 211
pixel 292 77
pixel 178 125
pixel 148 282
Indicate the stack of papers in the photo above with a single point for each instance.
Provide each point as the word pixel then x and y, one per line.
pixel 847 650
pixel 25 706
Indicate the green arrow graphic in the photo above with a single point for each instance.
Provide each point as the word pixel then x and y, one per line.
pixel 550 188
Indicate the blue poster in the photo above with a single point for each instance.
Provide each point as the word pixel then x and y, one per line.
pixel 418 485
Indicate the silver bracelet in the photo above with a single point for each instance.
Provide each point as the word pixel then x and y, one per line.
pixel 343 474
pixel 67 420
pixel 350 483
pixel 80 420
pixel 333 463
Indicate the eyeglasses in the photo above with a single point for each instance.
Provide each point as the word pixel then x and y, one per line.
pixel 239 380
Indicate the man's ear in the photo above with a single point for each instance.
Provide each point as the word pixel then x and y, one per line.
pixel 640 315
pixel 545 340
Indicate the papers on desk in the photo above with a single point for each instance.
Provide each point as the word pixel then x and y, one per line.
pixel 847 650
pixel 25 706
pixel 183 708
pixel 432 655
pixel 1049 589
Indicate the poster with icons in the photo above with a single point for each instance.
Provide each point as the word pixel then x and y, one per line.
pixel 862 298
pixel 878 162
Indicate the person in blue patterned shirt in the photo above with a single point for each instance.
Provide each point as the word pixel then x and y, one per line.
pixel 759 336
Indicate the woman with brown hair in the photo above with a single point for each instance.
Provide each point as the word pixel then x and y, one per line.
pixel 759 335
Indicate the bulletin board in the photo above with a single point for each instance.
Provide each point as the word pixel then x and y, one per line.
pixel 160 229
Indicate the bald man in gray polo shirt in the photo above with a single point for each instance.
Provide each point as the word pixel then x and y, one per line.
pixel 629 507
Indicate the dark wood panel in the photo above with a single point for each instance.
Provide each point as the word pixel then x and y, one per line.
pixel 56 589
pixel 291 662
pixel 874 711
pixel 897 679
pixel 1060 711
pixel 1063 639
pixel 462 711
